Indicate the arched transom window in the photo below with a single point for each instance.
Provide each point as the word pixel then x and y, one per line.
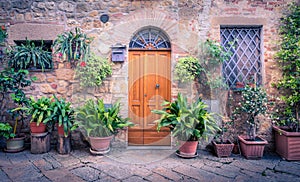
pixel 150 38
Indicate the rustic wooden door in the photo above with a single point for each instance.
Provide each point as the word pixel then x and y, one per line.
pixel 149 86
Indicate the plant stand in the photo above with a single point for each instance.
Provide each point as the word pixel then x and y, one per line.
pixel 287 144
pixel 223 149
pixel 40 143
pixel 252 149
pixel 64 144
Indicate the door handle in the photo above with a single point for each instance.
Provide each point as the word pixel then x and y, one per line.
pixel 157 86
pixel 145 95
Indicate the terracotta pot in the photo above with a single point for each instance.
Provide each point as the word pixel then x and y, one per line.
pixel 37 129
pixel 287 143
pixel 223 149
pixel 239 85
pixel 15 144
pixel 60 130
pixel 252 149
pixel 100 143
pixel 188 147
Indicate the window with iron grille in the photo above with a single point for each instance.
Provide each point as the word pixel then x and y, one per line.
pixel 244 64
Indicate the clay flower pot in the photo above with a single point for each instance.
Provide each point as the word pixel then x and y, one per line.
pixel 34 128
pixel 252 149
pixel 223 149
pixel 188 148
pixel 100 144
pixel 287 143
pixel 15 144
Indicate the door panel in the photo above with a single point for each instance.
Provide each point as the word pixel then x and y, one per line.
pixel 149 85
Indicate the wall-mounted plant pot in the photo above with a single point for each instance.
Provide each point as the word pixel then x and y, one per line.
pixel 252 149
pixel 34 128
pixel 287 143
pixel 223 149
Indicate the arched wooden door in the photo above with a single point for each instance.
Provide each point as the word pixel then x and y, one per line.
pixel 149 81
pixel 149 86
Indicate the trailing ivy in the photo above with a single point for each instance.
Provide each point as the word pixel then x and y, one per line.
pixel 289 57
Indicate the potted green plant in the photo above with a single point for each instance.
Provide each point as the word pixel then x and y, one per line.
pixel 40 111
pixel 73 46
pixel 3 35
pixel 254 103
pixel 29 56
pixel 187 122
pixel 223 147
pixel 100 123
pixel 12 83
pixel 287 135
pixel 93 71
pixel 63 116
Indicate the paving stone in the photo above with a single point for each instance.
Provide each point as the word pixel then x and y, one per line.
pixel 198 164
pixel 243 178
pixel 168 174
pixel 288 167
pixel 17 158
pixel 59 175
pixel 90 159
pixel 277 176
pixel 245 164
pixel 67 160
pixel 212 163
pixel 139 170
pixel 54 163
pixel 4 177
pixel 198 174
pixel 221 171
pixel 133 179
pixel 156 177
pixel 87 173
pixel 4 161
pixel 43 165
pixel 22 172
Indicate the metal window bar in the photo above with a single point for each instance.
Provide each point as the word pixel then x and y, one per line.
pixel 244 65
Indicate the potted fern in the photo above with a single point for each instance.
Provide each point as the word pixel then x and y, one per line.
pixel 73 45
pixel 29 56
pixel 187 122
pixel 100 124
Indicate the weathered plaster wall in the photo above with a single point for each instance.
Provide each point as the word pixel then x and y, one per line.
pixel 184 21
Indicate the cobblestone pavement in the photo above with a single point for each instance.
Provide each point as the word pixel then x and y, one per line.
pixel 161 166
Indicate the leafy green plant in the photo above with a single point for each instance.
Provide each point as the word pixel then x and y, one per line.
pixel 73 46
pixel 12 84
pixel 253 103
pixel 187 69
pixel 41 110
pixel 289 57
pixel 6 131
pixel 187 122
pixel 28 56
pixel 63 114
pixel 210 57
pixel 99 121
pixel 93 71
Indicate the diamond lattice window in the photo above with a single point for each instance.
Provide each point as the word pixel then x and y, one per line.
pixel 150 38
pixel 244 65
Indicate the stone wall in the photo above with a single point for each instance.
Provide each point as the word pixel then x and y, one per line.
pixel 186 22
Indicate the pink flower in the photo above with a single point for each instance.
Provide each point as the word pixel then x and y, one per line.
pixel 83 64
pixel 60 54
